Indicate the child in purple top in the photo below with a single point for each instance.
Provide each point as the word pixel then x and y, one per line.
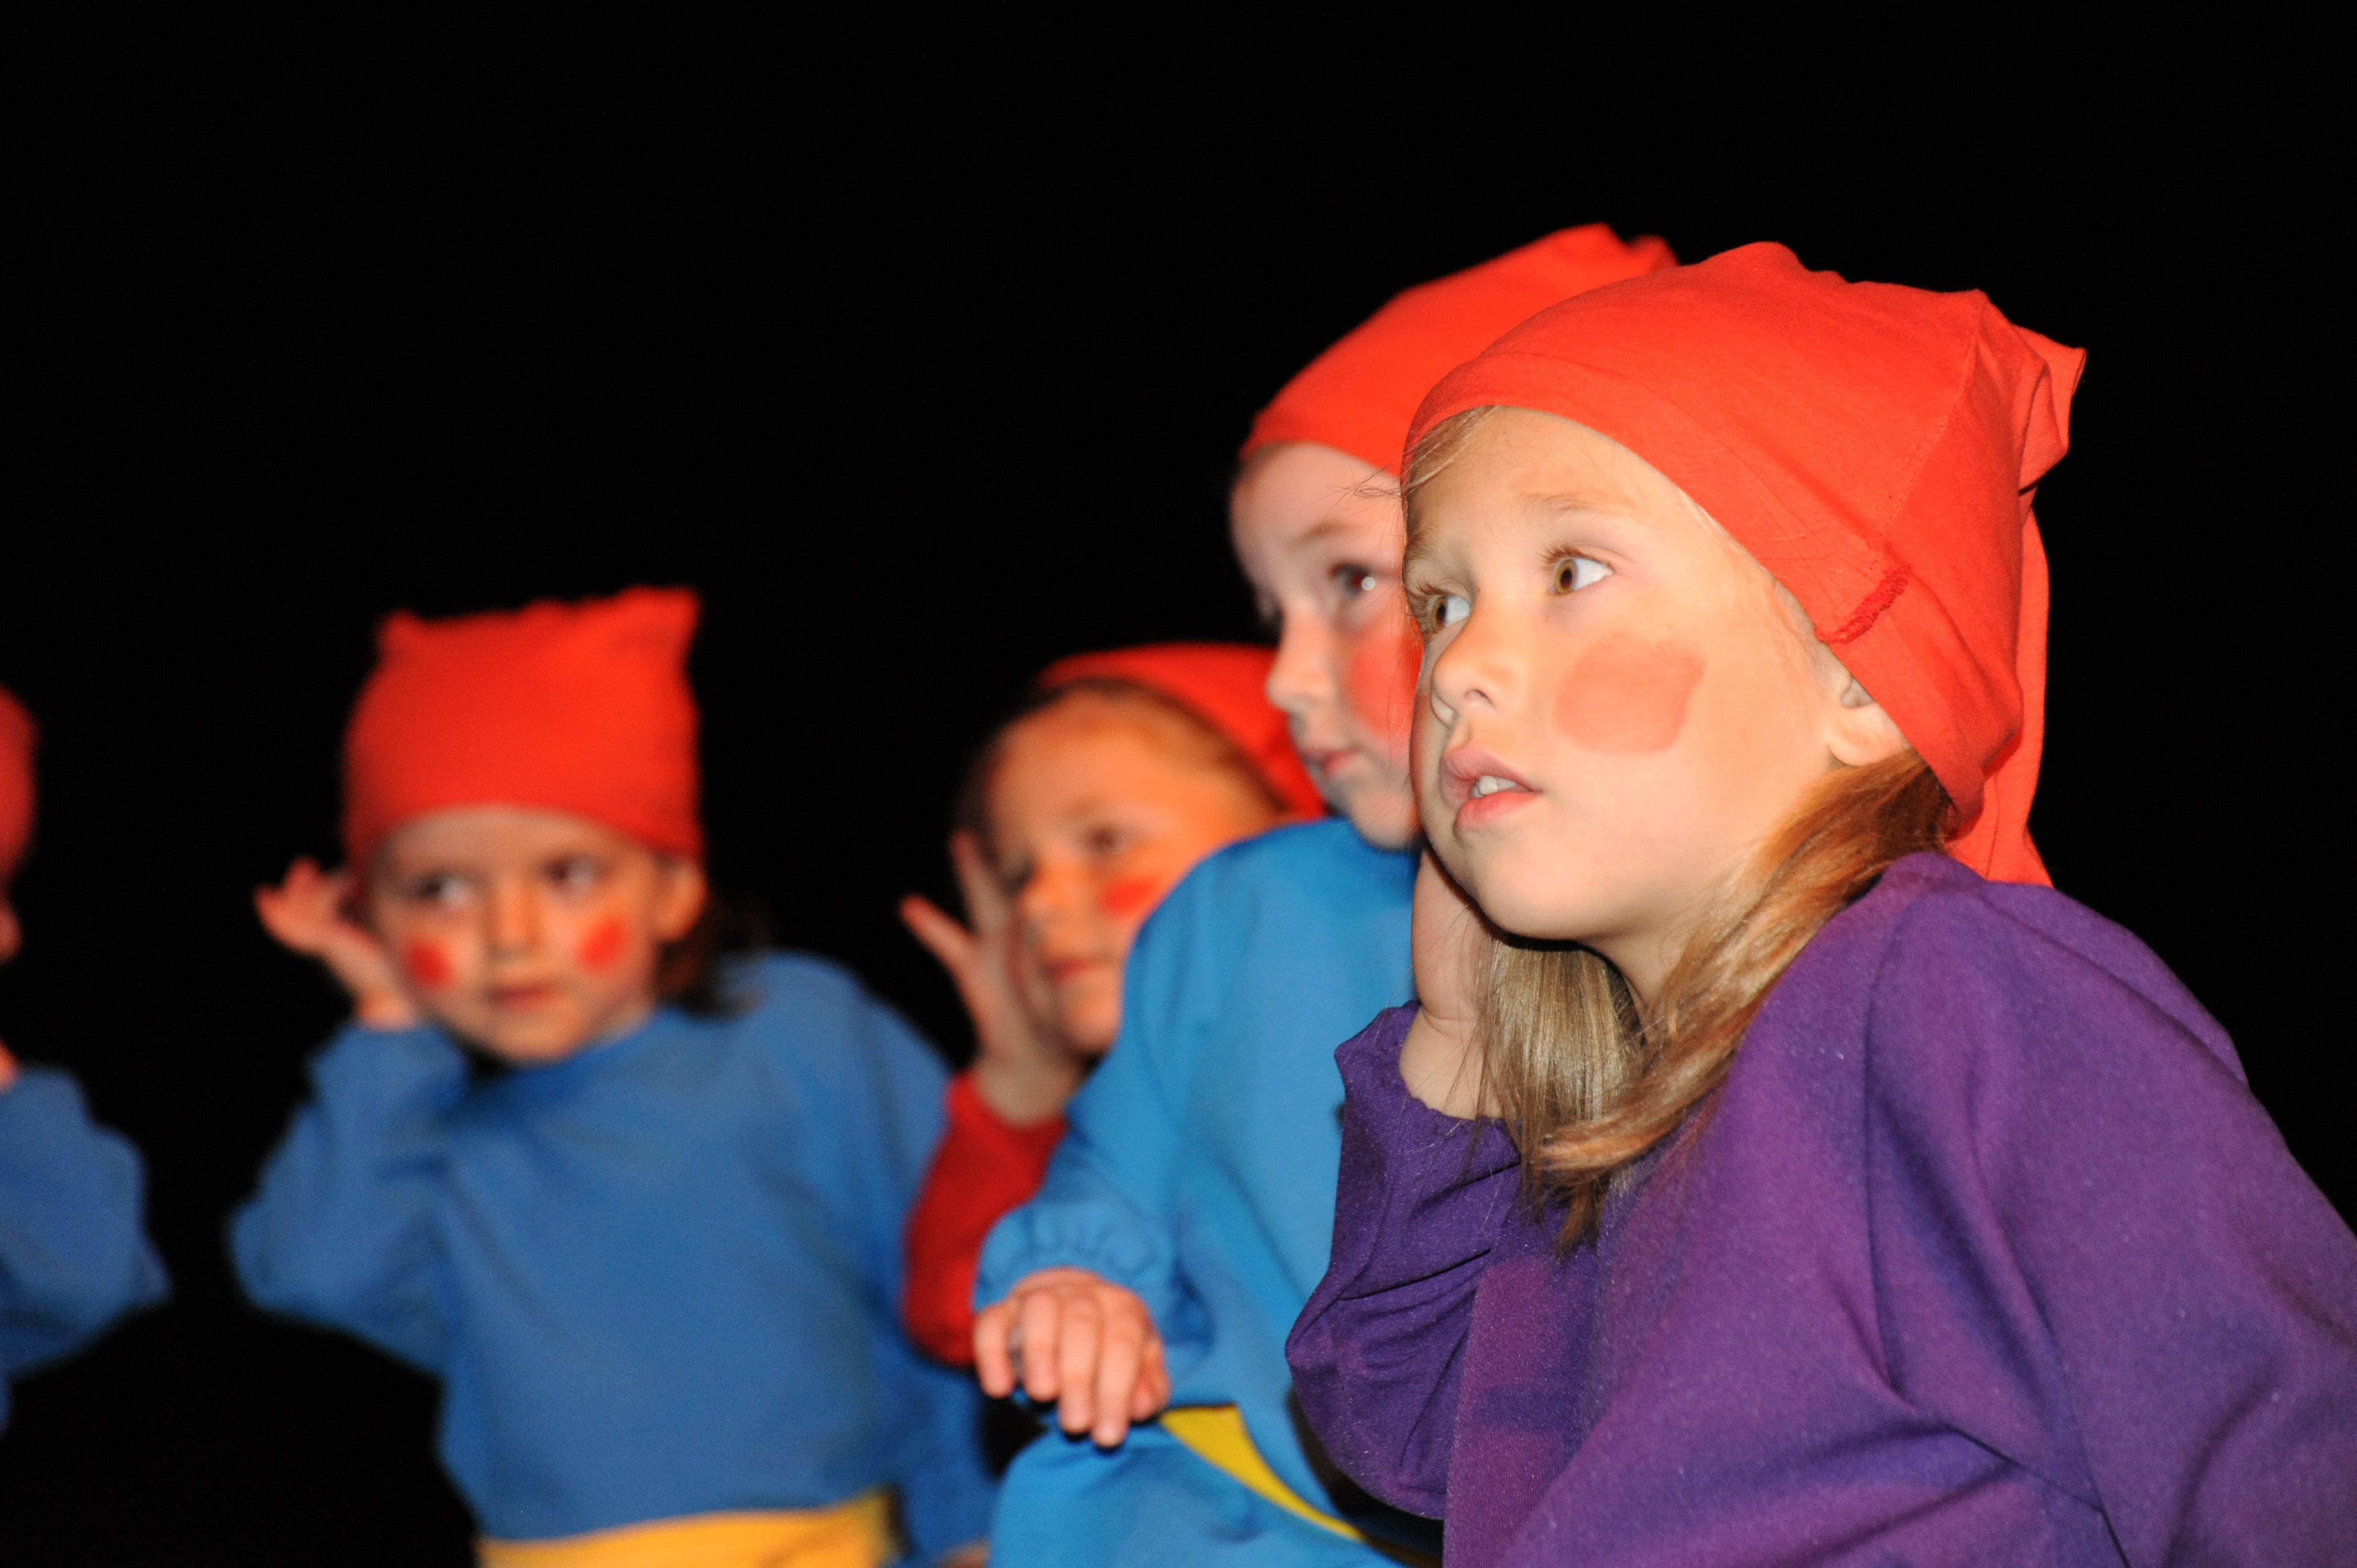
pixel 1977 1250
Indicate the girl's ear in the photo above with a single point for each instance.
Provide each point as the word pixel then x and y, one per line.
pixel 678 898
pixel 1860 731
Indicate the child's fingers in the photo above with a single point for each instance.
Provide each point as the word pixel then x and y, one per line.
pixel 1077 1355
pixel 994 1356
pixel 1118 1364
pixel 952 944
pixel 1152 1391
pixel 1039 1318
pixel 978 883
pixel 287 920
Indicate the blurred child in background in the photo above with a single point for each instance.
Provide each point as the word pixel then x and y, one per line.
pixel 1846 1194
pixel 1185 1219
pixel 1076 818
pixel 639 1215
pixel 74 1255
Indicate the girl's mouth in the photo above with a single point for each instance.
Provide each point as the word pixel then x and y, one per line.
pixel 1480 789
pixel 513 997
pixel 1323 763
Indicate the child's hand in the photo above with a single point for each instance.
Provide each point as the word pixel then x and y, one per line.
pixel 1019 1071
pixel 1438 1060
pixel 1087 1343
pixel 8 1070
pixel 305 913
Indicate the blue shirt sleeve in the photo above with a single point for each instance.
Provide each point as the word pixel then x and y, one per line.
pixel 341 1231
pixel 1107 1205
pixel 882 1118
pixel 74 1254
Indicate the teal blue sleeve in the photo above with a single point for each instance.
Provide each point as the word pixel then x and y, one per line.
pixel 74 1254
pixel 935 1414
pixel 341 1231
pixel 1108 1203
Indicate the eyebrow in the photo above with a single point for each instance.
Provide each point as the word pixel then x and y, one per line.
pixel 1585 501
pixel 1325 528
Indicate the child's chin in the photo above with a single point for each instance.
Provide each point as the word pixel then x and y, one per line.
pixel 1517 904
pixel 1384 817
pixel 529 1043
pixel 1089 1012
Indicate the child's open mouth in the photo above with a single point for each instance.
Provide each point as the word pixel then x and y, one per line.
pixel 1480 788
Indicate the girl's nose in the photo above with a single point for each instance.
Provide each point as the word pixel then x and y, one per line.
pixel 514 916
pixel 1056 893
pixel 1302 678
pixel 1474 671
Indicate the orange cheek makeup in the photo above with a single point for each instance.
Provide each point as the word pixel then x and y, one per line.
pixel 602 946
pixel 1628 696
pixel 1125 896
pixel 426 965
pixel 1380 681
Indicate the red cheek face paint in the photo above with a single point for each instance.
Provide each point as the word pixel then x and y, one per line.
pixel 426 965
pixel 1379 683
pixel 1628 696
pixel 602 946
pixel 1125 896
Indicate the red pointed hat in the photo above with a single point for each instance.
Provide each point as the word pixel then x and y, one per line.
pixel 579 708
pixel 17 738
pixel 1359 395
pixel 1225 685
pixel 1876 448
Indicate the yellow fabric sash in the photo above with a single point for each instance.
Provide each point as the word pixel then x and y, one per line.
pixel 1219 1437
pixel 854 1534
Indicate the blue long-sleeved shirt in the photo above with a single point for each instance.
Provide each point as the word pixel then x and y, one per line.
pixel 1199 1168
pixel 656 1278
pixel 74 1255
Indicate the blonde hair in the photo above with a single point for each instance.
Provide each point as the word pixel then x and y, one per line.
pixel 1584 1082
pixel 1585 1085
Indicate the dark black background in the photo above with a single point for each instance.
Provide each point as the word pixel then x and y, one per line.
pixel 925 373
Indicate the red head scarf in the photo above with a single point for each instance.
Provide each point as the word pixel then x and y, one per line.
pixel 1358 395
pixel 17 735
pixel 576 708
pixel 1224 684
pixel 1874 448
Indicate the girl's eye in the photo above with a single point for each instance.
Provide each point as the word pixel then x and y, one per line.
pixel 1354 580
pixel 576 875
pixel 1107 843
pixel 438 888
pixel 1448 609
pixel 1574 573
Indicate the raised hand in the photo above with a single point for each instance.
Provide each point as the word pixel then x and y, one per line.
pixel 1021 1072
pixel 307 913
pixel 1438 1060
pixel 1079 1340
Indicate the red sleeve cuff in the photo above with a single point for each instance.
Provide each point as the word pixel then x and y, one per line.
pixel 983 1168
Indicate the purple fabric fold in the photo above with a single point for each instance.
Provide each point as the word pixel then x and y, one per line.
pixel 1984 1254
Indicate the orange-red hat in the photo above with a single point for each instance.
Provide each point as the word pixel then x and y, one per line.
pixel 577 708
pixel 1876 448
pixel 1225 685
pixel 1361 394
pixel 18 735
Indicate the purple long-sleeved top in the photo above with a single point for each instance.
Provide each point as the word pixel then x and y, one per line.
pixel 1984 1254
